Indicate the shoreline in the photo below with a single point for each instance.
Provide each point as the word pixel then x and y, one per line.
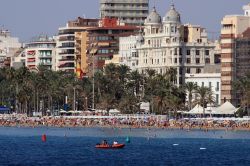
pixel 152 122
pixel 131 127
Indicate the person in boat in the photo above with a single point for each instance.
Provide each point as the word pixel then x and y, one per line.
pixel 115 143
pixel 104 142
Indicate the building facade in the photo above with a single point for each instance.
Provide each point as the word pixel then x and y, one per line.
pixel 40 52
pixel 100 43
pixel 211 80
pixel 132 12
pixel 67 54
pixel 168 43
pixel 233 27
pixel 128 52
pixel 8 46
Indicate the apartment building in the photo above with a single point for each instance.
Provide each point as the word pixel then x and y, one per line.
pixel 100 43
pixel 8 46
pixel 66 50
pixel 40 51
pixel 132 12
pixel 233 27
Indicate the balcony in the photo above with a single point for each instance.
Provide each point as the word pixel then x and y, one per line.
pixel 124 2
pixel 135 8
pixel 132 15
pixel 46 63
pixel 67 59
pixel 67 53
pixel 45 56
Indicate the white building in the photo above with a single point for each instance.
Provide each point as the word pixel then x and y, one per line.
pixel 41 51
pixel 128 51
pixel 211 80
pixel 8 46
pixel 168 43
pixel 18 59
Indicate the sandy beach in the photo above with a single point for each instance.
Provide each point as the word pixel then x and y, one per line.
pixel 121 122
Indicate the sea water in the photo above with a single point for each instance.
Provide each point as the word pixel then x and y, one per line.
pixel 76 146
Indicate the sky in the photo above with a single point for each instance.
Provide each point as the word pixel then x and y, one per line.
pixel 30 18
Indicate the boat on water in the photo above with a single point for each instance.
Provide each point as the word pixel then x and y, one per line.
pixel 107 146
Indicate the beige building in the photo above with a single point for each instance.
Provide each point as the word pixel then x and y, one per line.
pixel 232 28
pixel 195 33
pixel 115 60
pixel 68 53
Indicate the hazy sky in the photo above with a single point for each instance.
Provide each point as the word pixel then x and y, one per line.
pixel 28 18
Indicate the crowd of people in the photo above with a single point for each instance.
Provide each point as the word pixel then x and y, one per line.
pixel 122 122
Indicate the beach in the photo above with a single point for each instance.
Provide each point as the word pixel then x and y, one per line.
pixel 134 121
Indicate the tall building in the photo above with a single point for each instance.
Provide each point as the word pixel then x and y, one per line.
pixel 40 51
pixel 66 50
pixel 168 43
pixel 132 12
pixel 8 46
pixel 233 27
pixel 96 44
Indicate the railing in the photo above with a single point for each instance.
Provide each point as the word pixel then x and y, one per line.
pixel 124 1
pixel 105 7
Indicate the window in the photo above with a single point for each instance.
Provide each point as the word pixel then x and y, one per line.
pixel 180 71
pixel 152 61
pixel 188 60
pixel 175 51
pixel 217 86
pixel 198 70
pixel 207 52
pixel 202 84
pixel 180 60
pixel 188 52
pixel 207 61
pixel 180 51
pixel 210 85
pixel 217 99
pixel 188 70
pixel 172 29
pixel 175 60
pixel 197 60
pixel 148 42
pixel 197 52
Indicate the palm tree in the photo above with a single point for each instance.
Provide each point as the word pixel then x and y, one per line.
pixel 242 87
pixel 172 74
pixel 150 73
pixel 190 87
pixel 203 93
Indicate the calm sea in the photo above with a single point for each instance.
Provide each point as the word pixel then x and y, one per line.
pixel 67 146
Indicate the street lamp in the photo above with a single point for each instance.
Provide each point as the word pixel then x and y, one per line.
pixel 93 51
pixel 74 103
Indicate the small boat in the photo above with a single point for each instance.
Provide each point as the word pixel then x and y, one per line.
pixel 107 146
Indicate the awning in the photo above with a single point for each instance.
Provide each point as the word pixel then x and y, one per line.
pixel 4 109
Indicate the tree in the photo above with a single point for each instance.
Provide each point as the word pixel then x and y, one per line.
pixel 203 93
pixel 191 88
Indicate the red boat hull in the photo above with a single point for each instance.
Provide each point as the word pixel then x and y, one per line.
pixel 117 146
